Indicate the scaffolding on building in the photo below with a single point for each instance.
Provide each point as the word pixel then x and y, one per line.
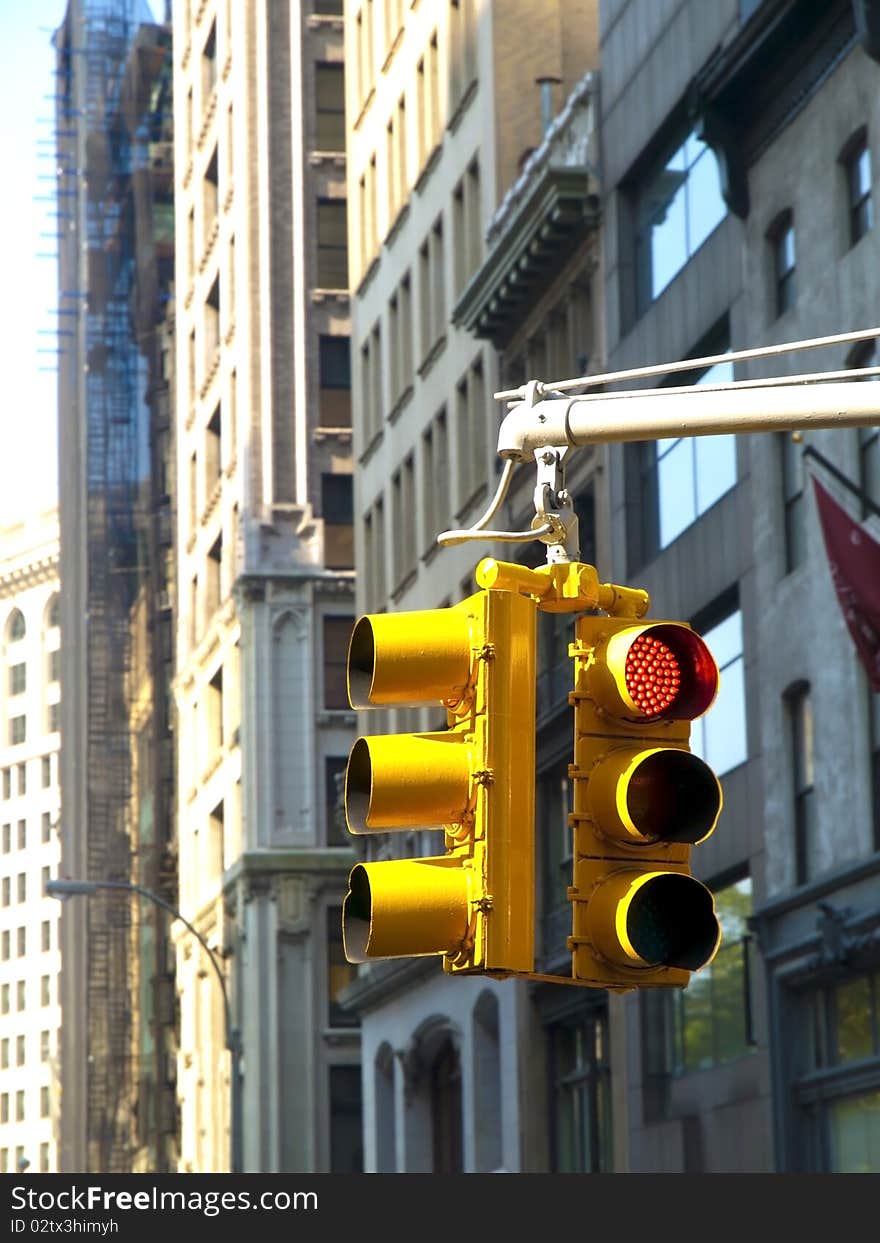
pixel 113 108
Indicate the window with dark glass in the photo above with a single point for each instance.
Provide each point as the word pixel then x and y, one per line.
pixel 677 205
pixel 335 381
pixel 346 1144
pixel 792 465
pixel 330 107
pixel 712 1017
pixel 856 163
pixel 337 508
pixel 800 718
pixel 336 830
pixel 780 238
pixel 332 244
pixel 340 972
pixel 444 1088
pixel 17 678
pixel 336 632
pixel 581 1094
pixel 15 627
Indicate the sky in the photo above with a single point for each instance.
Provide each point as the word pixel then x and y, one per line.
pixel 28 397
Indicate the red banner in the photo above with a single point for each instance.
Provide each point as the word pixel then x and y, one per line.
pixel 854 561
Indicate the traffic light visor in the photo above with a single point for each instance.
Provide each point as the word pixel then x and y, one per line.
pixel 663 672
pixel 654 919
pixel 409 658
pixel 402 908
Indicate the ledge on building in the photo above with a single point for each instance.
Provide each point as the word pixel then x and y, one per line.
pixel 559 212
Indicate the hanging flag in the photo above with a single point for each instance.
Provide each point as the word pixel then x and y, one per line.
pixel 854 561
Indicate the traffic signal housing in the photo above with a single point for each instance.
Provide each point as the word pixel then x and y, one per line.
pixel 641 801
pixel 474 904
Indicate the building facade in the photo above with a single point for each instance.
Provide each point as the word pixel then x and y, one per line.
pixel 716 124
pixel 265 584
pixel 30 847
pixel 116 235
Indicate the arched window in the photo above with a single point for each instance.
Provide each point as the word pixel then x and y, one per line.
pixel 15 626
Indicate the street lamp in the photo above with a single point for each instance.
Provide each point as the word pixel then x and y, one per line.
pixel 73 888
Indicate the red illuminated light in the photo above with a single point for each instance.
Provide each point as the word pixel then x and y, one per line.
pixel 653 675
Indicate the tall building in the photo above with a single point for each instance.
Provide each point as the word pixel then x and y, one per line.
pixel 265 584
pixel 30 847
pixel 741 177
pixel 448 106
pixel 113 138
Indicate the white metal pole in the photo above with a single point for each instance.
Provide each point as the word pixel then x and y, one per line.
pixel 651 414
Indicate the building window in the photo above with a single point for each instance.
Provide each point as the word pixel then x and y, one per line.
pixel 21 941
pixel 7 783
pixel 719 737
pixel 17 730
pixel 332 244
pixel 5 944
pixel 346 1151
pixel 44 1101
pixel 21 995
pixel 21 834
pixel 794 527
pixel 21 886
pixel 865 355
pixel 467 227
pixel 799 707
pixel 7 838
pixel 403 518
pixel 711 1019
pixel 46 771
pixel 335 830
pixel 17 678
pixel 435 476
pixel 677 206
pixel 471 433
pixel 780 238
pixel 45 1045
pixel 4 1053
pixel 45 990
pixel 673 481
pixel 5 890
pixel 340 972
pixel 334 360
pixel 46 827
pixel 20 1051
pixel 44 1158
pixel 838 1028
pixel 337 632
pixel 432 293
pixel 45 936
pixel 330 107
pixel 15 626
pixel 581 1094
pixel 856 163
pixel 337 510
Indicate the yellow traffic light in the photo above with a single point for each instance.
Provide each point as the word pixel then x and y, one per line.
pixel 474 904
pixel 641 801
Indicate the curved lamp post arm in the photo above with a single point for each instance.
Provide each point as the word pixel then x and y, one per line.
pixel 63 888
